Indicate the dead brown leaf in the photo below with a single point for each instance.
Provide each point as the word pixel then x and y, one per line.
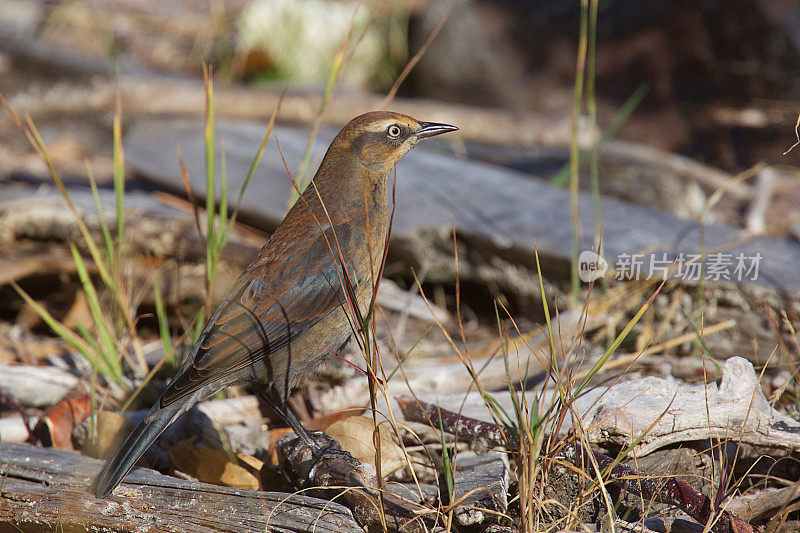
pixel 355 434
pixel 110 429
pixel 216 466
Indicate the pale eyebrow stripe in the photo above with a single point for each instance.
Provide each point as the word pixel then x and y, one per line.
pixel 382 125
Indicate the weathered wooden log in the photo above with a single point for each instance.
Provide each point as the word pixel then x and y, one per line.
pixel 503 208
pixel 46 489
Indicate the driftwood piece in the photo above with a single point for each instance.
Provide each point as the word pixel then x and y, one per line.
pixel 735 409
pixel 392 298
pixel 481 434
pixel 49 488
pixel 763 503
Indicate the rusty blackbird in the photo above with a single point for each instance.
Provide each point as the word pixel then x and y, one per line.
pixel 290 307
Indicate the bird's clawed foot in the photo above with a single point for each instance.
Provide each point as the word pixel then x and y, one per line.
pixel 321 444
pixel 302 454
pixel 302 451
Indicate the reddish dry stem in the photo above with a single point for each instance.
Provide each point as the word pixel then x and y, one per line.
pixel 481 435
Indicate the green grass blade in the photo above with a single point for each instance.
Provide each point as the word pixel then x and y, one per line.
pixel 408 353
pixel 253 166
pixel 108 242
pixel 62 331
pixel 87 237
pixel 574 155
pixel 119 175
pixel 211 187
pixel 515 401
pixel 625 112
pixel 534 421
pixel 447 465
pixel 546 309
pixel 199 324
pixel 223 203
pixel 591 102
pixel 108 349
pixel 88 337
pixel 163 324
pixel 302 172
pixel 499 411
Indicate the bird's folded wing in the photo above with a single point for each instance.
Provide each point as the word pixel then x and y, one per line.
pixel 257 319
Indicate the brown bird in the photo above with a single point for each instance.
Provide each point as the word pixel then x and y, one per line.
pixel 289 309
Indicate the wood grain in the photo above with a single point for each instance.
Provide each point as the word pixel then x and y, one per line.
pixel 45 489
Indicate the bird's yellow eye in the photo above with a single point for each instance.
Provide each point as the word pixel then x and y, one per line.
pixel 394 131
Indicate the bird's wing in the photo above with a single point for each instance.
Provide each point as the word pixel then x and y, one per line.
pixel 262 314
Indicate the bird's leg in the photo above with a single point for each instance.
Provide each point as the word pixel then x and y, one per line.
pixel 280 407
pixel 288 416
pixel 317 449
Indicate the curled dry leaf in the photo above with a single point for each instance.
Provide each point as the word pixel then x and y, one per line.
pixel 355 435
pixel 55 426
pixel 216 466
pixel 323 422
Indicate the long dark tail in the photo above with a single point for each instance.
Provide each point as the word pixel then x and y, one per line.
pixel 135 445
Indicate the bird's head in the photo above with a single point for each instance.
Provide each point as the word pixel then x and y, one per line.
pixel 379 139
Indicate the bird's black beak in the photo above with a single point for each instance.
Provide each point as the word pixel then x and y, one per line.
pixel 429 129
